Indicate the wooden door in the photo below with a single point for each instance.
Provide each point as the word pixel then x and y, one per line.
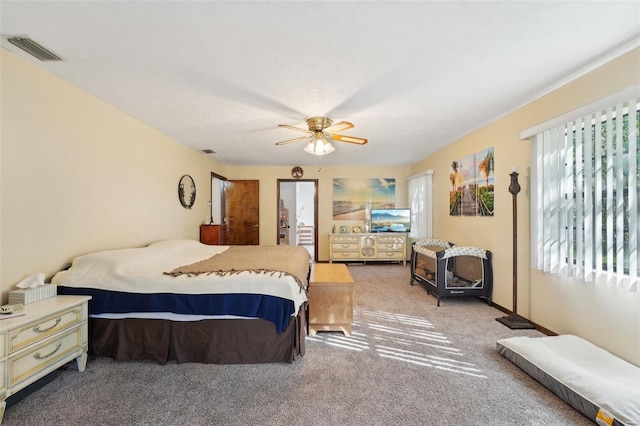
pixel 242 212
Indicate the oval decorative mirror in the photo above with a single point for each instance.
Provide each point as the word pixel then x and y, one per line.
pixel 187 191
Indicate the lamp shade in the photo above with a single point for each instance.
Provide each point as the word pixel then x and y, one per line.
pixel 319 145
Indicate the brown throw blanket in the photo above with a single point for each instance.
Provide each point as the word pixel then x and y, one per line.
pixel 280 260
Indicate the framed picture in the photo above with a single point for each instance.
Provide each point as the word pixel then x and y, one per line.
pixel 472 185
pixel 356 230
pixel 345 229
pixel 354 197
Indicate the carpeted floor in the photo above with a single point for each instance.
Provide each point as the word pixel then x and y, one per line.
pixel 408 362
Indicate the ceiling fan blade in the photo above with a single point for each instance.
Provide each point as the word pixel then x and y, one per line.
pixel 292 140
pixel 338 127
pixel 350 139
pixel 286 126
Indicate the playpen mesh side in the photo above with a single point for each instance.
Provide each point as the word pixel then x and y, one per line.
pixel 425 263
pixel 430 247
pixel 465 251
pixel 465 266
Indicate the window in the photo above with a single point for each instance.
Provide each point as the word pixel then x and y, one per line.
pixel 420 203
pixel 585 201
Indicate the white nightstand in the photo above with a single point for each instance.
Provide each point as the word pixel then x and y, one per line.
pixel 51 333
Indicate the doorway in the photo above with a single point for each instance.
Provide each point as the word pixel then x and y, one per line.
pixel 298 214
pixel 217 199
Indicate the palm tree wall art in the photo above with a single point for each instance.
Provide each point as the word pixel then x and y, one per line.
pixel 472 185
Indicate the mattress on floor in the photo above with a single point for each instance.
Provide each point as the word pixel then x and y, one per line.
pixel 595 382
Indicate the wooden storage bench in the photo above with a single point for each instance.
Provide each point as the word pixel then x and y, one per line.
pixel 330 298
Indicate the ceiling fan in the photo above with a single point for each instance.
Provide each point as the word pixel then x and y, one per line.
pixel 321 132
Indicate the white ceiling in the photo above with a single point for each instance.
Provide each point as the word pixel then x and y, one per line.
pixel 411 76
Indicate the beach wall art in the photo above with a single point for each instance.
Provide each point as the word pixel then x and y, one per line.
pixel 472 185
pixel 353 198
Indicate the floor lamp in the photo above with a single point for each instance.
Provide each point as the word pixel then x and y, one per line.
pixel 515 321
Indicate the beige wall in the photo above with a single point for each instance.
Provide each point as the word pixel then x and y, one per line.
pixel 77 176
pixel 606 316
pixel 268 177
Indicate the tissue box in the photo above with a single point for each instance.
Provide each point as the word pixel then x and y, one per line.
pixel 31 295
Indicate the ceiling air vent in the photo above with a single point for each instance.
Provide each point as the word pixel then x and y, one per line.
pixel 208 151
pixel 34 49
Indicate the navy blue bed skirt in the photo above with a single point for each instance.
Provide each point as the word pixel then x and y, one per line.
pixel 271 308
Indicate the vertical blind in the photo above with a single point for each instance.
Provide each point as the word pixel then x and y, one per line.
pixel 585 205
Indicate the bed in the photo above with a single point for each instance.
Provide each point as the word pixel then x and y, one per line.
pixel 190 302
pixel 451 271
pixel 595 382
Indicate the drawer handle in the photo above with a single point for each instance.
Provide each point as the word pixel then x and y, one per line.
pixel 345 245
pixel 36 329
pixel 41 357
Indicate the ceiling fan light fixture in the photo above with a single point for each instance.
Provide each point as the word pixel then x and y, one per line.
pixel 319 145
pixel 321 133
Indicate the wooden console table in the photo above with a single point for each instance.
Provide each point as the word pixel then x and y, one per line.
pixel 368 247
pixel 330 298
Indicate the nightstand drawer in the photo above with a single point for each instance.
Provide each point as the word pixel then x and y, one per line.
pixel 41 356
pixel 44 327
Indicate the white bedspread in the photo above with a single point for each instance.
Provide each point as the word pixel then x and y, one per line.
pixel 141 270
